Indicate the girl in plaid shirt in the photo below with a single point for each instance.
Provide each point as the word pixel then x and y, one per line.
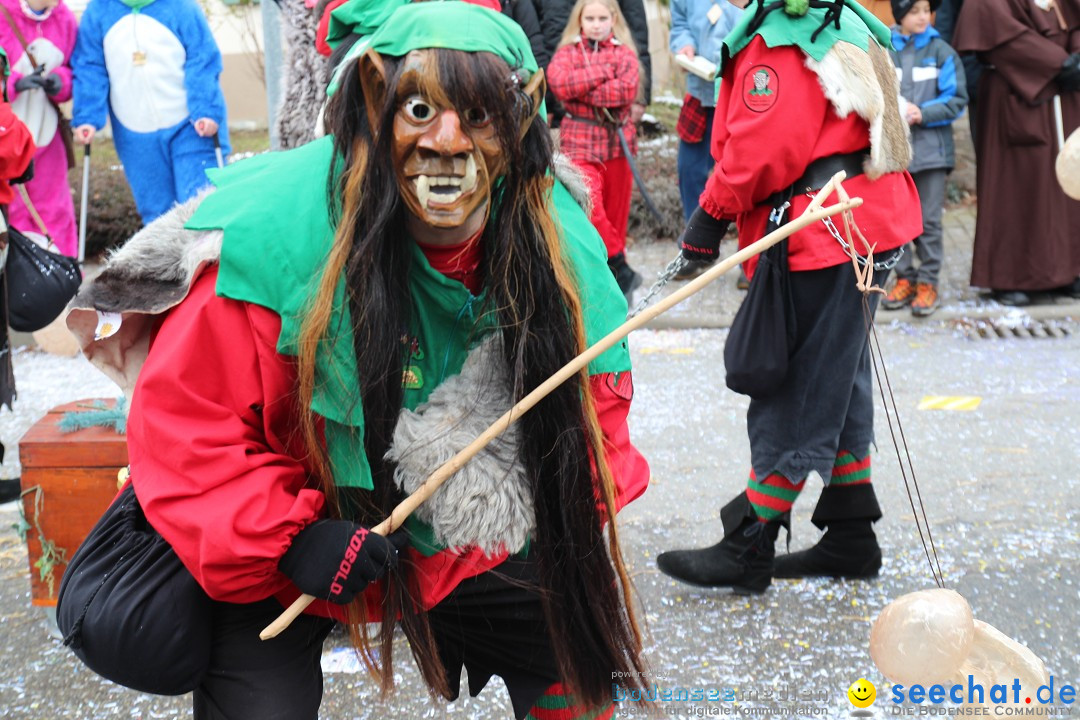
pixel 595 75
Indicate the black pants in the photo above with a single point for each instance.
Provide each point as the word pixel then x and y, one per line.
pixel 492 624
pixel 276 679
pixel 826 402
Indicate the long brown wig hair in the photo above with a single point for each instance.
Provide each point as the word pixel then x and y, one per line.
pixel 584 588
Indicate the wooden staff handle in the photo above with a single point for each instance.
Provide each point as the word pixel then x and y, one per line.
pixel 813 213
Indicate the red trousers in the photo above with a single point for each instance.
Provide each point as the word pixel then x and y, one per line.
pixel 610 184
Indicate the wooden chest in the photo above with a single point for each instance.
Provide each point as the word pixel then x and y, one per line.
pixel 72 478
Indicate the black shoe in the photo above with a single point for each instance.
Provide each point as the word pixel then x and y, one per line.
pixel 692 269
pixel 1071 290
pixel 743 283
pixel 1012 298
pixel 743 560
pixel 848 549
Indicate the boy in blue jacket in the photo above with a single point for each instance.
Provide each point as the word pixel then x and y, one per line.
pixel 933 95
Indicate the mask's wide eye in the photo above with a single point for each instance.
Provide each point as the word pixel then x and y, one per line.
pixel 417 109
pixel 477 117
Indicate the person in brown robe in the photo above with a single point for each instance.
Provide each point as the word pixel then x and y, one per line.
pixel 1026 234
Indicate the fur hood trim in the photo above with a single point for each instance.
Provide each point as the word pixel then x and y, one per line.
pixel 865 83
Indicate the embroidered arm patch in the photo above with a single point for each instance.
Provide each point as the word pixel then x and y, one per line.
pixel 760 88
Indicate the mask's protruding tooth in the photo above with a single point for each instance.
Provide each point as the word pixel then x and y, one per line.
pixel 469 181
pixel 423 189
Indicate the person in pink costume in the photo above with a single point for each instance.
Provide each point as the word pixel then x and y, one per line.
pixel 49 28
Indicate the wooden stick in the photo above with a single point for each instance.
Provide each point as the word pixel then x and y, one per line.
pixel 813 213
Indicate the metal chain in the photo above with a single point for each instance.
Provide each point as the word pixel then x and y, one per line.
pixel 673 267
pixel 886 264
pixel 663 279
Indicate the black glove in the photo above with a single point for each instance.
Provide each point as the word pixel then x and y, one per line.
pixel 51 84
pixel 701 238
pixel 1069 77
pixel 336 559
pixel 29 82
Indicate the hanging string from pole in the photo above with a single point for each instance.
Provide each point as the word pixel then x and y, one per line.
pixel 864 274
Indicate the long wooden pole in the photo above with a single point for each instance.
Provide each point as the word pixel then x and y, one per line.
pixel 813 213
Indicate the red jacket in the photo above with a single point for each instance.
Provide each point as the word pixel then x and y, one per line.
pixel 586 76
pixel 214 451
pixel 16 151
pixel 763 141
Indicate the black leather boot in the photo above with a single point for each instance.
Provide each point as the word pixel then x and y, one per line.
pixel 849 548
pixel 743 560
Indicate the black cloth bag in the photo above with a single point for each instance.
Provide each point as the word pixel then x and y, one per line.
pixel 39 283
pixel 762 336
pixel 130 610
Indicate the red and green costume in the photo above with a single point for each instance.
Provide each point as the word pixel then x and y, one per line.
pixel 772 122
pixel 802 88
pixel 220 480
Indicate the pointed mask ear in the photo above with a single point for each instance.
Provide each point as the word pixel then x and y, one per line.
pixel 373 84
pixel 534 90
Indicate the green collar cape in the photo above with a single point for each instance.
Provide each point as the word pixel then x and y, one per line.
pixel 857 25
pixel 272 209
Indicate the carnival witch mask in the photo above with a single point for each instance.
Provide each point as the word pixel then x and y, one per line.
pixel 447 156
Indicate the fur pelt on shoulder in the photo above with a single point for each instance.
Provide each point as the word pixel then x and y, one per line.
pixel 151 273
pixel 488 503
pixel 865 83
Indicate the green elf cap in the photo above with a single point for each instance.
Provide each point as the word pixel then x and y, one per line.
pixel 360 17
pixel 448 25
pixel 454 25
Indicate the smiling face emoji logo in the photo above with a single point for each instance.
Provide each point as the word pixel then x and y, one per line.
pixel 862 693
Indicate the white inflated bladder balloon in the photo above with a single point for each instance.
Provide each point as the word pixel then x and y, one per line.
pixel 922 637
pixel 1067 165
pixel 930 637
pixel 997 659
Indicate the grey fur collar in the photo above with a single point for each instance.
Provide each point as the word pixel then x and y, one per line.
pixel 865 83
pixel 488 503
